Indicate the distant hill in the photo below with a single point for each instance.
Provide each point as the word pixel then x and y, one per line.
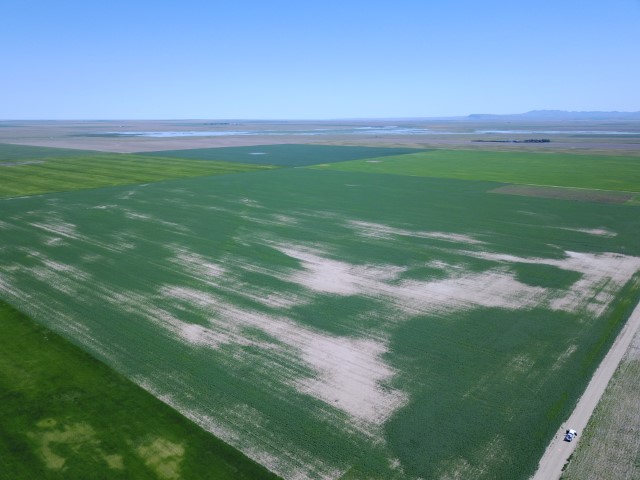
pixel 558 115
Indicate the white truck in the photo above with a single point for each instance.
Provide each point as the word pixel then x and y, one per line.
pixel 570 435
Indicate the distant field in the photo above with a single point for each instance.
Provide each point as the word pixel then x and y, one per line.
pixel 16 153
pixel 65 415
pixel 336 324
pixel 566 193
pixel 30 176
pixel 284 155
pixel 582 171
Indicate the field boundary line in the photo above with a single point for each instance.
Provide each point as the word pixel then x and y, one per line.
pixel 576 188
pixel 558 451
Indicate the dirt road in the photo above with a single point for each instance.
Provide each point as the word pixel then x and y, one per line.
pixel 554 458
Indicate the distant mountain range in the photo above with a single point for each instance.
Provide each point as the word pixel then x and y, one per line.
pixel 558 115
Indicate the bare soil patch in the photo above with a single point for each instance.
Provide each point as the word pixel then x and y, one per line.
pixel 564 193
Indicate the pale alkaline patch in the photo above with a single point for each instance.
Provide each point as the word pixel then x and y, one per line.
pixel 63 229
pixel 323 274
pixel 163 457
pixel 602 276
pixel 349 373
pixel 598 232
pixel 378 230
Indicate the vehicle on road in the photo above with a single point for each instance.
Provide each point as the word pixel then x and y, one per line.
pixel 570 435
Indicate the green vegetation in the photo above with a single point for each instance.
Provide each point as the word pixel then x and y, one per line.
pixel 460 314
pixel 59 174
pixel 461 311
pixel 567 193
pixel 65 415
pixel 284 155
pixel 582 171
pixel 16 153
pixel 547 276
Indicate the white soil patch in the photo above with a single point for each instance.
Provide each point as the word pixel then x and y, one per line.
pixel 271 220
pixel 493 289
pixel 325 275
pixel 63 229
pixel 346 374
pixel 219 275
pixel 64 278
pixel 54 242
pixel 69 231
pixel 602 276
pixel 136 216
pixel 349 373
pixel 198 266
pixel 521 363
pixel 347 377
pixel 103 207
pixel 285 219
pixel 250 203
pixel 486 289
pixel 378 230
pixel 598 232
pixel 148 218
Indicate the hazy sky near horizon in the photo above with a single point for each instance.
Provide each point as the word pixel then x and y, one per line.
pixel 275 59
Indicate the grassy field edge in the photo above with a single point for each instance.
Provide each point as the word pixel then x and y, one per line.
pixel 64 414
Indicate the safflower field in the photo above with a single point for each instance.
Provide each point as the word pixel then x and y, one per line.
pixel 361 318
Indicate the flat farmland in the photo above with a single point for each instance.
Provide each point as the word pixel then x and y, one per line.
pixel 334 324
pixel 608 172
pixel 289 155
pixel 65 415
pixel 10 153
pixel 36 174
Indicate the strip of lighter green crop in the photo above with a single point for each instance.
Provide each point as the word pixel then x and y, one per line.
pixel 620 173
pixel 11 152
pixel 77 173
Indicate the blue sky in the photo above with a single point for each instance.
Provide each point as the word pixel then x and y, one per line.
pixel 277 59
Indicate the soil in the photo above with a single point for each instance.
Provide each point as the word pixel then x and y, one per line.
pixel 580 195
pixel 86 135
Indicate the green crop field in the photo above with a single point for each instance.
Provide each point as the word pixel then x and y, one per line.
pixel 16 153
pixel 284 155
pixel 559 169
pixel 334 324
pixel 58 174
pixel 65 415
